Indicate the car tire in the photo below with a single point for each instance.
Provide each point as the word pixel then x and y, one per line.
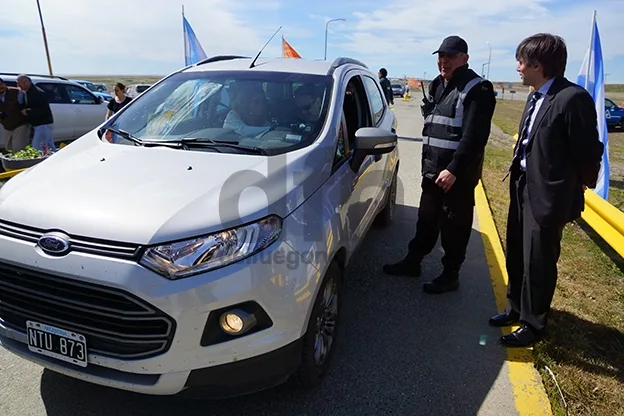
pixel 320 338
pixel 386 215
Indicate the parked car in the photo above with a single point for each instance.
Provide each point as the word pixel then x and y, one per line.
pixel 76 110
pixel 174 271
pixel 614 114
pixel 94 89
pixel 134 90
pixel 398 89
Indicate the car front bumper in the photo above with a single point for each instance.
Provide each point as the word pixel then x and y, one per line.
pixel 196 353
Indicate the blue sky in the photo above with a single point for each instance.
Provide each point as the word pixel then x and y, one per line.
pixel 88 37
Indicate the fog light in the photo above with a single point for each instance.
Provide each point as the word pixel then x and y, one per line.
pixel 237 322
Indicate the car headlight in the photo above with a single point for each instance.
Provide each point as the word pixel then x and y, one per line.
pixel 201 254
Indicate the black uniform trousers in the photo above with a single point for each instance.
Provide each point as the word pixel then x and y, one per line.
pixel 448 215
pixel 532 255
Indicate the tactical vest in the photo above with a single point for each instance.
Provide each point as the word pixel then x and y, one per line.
pixel 443 128
pixel 10 107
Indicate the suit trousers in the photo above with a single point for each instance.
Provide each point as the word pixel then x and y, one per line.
pixel 532 255
pixel 17 139
pixel 448 215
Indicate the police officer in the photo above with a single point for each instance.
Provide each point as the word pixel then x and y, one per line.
pixel 458 113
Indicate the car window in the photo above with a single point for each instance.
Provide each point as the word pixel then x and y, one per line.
pixel 251 108
pixel 356 109
pixel 78 95
pixel 55 92
pixel 375 97
pixel 609 104
pixel 142 88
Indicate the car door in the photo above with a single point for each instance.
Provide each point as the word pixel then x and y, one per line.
pixel 360 184
pixel 380 170
pixel 89 111
pixel 62 111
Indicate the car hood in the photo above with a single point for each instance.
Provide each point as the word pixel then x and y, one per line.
pixel 152 195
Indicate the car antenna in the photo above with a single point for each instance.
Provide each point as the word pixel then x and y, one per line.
pixel 265 45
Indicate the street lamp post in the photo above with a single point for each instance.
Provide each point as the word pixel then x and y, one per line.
pixel 326 25
pixel 489 60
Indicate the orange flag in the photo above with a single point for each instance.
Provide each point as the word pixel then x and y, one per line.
pixel 288 50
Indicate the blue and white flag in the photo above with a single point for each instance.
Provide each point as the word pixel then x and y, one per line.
pixel 591 77
pixel 193 51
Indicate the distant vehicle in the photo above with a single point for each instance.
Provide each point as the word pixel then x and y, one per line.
pixel 133 90
pixel 95 89
pixel 102 88
pixel 76 110
pixel 614 115
pixel 398 89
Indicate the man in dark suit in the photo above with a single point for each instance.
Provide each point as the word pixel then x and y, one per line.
pixel 556 158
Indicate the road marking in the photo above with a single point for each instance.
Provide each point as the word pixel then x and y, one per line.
pixel 528 390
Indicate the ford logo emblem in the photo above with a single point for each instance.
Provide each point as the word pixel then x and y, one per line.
pixel 54 244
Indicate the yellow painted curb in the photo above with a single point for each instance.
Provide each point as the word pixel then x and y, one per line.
pixel 528 390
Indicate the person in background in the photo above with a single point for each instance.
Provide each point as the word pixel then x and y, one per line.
pixel 119 101
pixel 14 123
pixel 557 156
pixel 38 112
pixel 386 86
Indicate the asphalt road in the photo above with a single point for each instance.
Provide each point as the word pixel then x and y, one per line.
pixel 400 352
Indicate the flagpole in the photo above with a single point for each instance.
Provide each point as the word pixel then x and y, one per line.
pixel 45 40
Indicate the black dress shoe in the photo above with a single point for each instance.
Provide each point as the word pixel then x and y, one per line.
pixel 404 267
pixel 504 319
pixel 522 337
pixel 442 284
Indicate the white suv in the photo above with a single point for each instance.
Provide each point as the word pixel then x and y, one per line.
pixel 76 110
pixel 207 243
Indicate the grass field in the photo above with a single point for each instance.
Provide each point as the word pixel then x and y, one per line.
pixel 585 344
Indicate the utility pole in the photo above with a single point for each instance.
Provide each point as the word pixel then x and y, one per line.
pixel 45 40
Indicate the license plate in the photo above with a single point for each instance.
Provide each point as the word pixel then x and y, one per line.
pixel 57 343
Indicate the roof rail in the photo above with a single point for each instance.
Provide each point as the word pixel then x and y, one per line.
pixel 33 75
pixel 220 58
pixel 343 61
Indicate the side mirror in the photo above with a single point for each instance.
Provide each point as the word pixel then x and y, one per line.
pixel 99 99
pixel 372 141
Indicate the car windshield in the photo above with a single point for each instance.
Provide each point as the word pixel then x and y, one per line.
pixel 266 110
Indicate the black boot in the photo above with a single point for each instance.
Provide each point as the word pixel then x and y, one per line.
pixel 446 282
pixel 407 267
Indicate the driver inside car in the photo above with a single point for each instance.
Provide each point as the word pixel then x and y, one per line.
pixel 250 111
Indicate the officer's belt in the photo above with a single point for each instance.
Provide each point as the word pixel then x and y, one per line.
pixel 441 143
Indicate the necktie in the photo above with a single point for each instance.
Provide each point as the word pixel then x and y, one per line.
pixel 524 136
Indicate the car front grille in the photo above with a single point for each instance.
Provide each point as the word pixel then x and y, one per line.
pixel 77 244
pixel 115 323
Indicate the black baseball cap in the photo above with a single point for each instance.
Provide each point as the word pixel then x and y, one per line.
pixel 453 44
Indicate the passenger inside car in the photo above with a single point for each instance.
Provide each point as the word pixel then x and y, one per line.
pixel 308 101
pixel 250 113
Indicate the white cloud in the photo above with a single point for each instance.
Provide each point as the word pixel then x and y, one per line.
pixel 128 32
pixel 413 29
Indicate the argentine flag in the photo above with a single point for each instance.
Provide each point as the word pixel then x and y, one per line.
pixel 193 51
pixel 591 77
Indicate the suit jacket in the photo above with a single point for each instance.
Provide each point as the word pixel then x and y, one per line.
pixel 563 153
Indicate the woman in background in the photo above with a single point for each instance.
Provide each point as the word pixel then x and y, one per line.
pixel 120 100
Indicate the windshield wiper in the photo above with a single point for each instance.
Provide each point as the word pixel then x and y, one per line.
pixel 125 135
pixel 146 143
pixel 214 143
